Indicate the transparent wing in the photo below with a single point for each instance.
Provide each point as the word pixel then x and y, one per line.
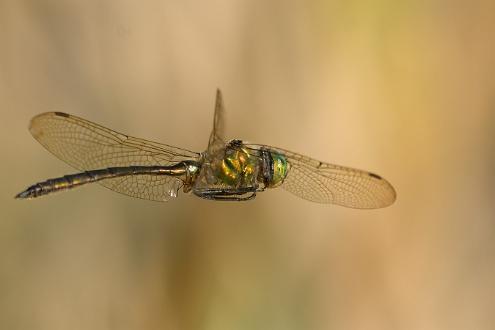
pixel 150 187
pixel 85 146
pixel 326 183
pixel 217 141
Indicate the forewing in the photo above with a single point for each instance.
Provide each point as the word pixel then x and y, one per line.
pixel 85 146
pixel 327 183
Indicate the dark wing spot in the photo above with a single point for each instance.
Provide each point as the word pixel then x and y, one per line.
pixel 376 176
pixel 61 114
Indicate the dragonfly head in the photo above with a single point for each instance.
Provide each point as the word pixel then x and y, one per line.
pixel 279 168
pixel 274 167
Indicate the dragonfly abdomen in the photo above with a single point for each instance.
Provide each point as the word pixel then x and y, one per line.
pixel 75 180
pixel 70 181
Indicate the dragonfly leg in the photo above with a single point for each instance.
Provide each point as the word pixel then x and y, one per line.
pixel 237 194
pixel 231 198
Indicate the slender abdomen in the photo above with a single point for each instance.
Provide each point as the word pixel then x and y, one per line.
pixel 75 180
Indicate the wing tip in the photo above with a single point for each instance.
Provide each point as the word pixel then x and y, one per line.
pixel 33 127
pixel 219 99
pixel 389 193
pixel 35 130
pixel 392 193
pixel 388 196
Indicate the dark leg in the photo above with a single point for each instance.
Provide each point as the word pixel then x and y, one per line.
pixel 238 194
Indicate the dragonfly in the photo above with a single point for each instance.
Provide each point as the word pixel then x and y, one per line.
pixel 227 171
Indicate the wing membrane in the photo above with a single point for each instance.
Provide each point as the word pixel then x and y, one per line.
pixel 216 141
pixel 150 187
pixel 85 146
pixel 327 183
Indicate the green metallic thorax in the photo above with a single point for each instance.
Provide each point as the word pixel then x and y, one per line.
pixel 238 167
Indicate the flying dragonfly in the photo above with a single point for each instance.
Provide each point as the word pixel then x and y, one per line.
pixel 226 171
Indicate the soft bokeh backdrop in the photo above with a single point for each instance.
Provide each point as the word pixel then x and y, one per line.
pixel 402 88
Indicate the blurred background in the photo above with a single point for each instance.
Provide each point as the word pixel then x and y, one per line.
pixel 401 88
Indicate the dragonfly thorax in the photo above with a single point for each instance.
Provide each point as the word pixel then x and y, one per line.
pixel 238 167
pixel 245 166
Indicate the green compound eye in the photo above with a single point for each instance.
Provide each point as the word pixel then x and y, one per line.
pixel 280 169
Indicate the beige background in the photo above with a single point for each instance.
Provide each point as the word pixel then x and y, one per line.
pixel 402 88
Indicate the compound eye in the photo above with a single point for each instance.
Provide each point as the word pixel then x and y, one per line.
pixel 280 169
